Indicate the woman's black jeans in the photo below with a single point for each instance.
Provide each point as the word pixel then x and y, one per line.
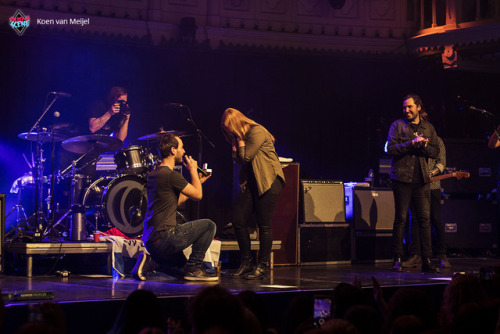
pixel 249 202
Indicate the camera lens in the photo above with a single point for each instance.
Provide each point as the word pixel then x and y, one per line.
pixel 124 108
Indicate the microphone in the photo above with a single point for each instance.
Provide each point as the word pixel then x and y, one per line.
pixel 175 105
pixel 62 94
pixel 465 105
pixel 472 108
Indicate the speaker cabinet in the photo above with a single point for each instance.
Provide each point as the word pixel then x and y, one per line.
pixel 475 157
pixel 470 223
pixel 286 215
pixel 324 243
pixel 368 246
pixel 373 209
pixel 372 220
pixel 323 201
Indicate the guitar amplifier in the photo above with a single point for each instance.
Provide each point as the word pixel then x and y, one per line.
pixel 373 209
pixel 323 201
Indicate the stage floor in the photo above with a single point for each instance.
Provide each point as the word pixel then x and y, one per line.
pixel 94 287
pixel 103 292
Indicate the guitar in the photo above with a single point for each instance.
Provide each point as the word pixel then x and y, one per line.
pixel 458 175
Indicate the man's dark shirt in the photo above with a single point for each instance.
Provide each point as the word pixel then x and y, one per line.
pixel 97 109
pixel 164 187
pixel 417 172
pixel 405 155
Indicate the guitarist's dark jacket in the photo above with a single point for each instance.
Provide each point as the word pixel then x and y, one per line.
pixel 404 153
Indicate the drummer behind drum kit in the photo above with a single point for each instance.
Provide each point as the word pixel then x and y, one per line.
pixel 118 200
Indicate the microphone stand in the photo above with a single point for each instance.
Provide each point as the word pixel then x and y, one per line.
pixel 492 119
pixel 53 175
pixel 200 135
pixel 37 233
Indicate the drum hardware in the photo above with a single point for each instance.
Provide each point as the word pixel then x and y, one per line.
pixel 119 202
pixel 77 186
pixel 97 143
pixel 131 160
pixel 78 230
pixel 19 209
pixel 135 160
pixel 84 145
pixel 157 136
pixel 21 186
pixel 37 169
pixel 41 136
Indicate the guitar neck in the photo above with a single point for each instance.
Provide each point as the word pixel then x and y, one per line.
pixel 457 175
pixel 441 177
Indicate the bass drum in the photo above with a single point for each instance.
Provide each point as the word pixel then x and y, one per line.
pixel 120 202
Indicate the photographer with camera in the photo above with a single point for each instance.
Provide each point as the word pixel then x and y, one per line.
pixel 109 117
pixel 112 116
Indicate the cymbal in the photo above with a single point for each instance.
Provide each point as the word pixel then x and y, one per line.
pixel 95 142
pixel 42 136
pixel 158 135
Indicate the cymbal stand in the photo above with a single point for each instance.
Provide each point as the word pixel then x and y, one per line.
pixel 19 209
pixel 38 176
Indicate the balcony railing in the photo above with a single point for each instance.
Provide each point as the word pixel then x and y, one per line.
pixel 455 14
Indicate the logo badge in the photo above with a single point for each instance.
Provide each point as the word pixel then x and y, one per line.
pixel 19 22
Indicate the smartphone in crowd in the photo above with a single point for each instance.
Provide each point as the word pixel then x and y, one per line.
pixel 322 310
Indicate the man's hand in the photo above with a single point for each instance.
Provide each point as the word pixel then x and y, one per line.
pixel 420 141
pixel 190 163
pixel 114 109
pixel 204 178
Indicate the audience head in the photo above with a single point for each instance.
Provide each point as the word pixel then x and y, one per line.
pixel 142 309
pixel 346 295
pixel 412 301
pixel 214 309
pixel 461 290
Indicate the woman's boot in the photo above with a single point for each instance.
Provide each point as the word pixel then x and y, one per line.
pixel 245 268
pixel 259 272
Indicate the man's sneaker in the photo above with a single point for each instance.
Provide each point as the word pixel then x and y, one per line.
pixel 413 262
pixel 196 273
pixel 143 265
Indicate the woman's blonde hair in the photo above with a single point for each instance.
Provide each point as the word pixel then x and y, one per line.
pixel 234 123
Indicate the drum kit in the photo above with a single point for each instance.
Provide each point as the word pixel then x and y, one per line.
pixel 117 200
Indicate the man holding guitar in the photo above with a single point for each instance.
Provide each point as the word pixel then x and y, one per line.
pixel 494 141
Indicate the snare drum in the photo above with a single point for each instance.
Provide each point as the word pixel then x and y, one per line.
pixel 120 202
pixel 131 160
